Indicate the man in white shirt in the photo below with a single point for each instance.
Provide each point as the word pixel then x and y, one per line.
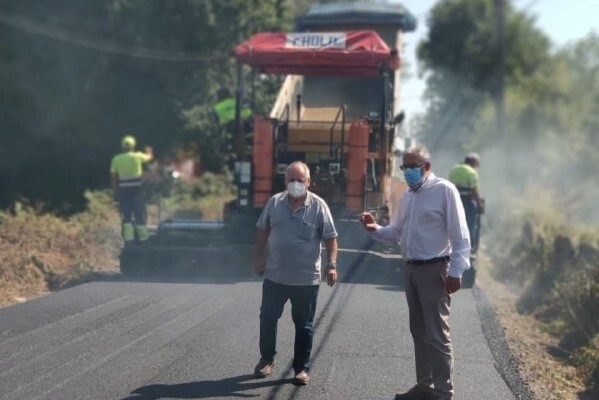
pixel 430 226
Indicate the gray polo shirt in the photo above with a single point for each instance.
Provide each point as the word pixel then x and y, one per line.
pixel 293 247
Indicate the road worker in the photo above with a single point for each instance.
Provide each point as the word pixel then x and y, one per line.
pixel 224 113
pixel 224 110
pixel 465 177
pixel 126 172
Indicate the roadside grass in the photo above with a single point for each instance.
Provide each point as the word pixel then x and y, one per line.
pixel 552 263
pixel 44 252
pixel 201 198
pixel 41 251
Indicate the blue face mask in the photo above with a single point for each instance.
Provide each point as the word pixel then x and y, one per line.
pixel 413 176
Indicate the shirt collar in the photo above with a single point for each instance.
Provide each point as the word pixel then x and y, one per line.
pixel 426 183
pixel 306 200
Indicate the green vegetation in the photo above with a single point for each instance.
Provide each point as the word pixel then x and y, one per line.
pixel 555 267
pixel 78 75
pixel 199 198
pixel 42 251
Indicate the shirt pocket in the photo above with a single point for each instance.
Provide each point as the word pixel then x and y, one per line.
pixel 307 231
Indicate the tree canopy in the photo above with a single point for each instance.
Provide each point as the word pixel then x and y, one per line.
pixel 552 127
pixel 77 76
pixel 460 58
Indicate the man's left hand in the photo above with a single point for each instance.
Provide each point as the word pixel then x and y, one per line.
pixel 453 284
pixel 331 277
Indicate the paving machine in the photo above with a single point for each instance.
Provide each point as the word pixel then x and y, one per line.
pixel 338 110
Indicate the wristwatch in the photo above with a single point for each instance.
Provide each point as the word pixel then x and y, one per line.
pixel 332 265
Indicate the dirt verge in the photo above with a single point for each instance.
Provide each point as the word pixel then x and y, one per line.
pixel 546 377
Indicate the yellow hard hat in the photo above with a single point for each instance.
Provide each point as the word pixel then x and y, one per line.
pixel 128 142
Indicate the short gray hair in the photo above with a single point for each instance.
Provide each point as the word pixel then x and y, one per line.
pixel 421 151
pixel 300 164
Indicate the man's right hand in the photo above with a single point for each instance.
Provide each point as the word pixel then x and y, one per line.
pixel 368 221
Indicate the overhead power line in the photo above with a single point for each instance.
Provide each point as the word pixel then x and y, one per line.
pixel 36 28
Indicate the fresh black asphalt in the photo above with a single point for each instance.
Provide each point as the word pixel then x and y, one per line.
pixel 197 338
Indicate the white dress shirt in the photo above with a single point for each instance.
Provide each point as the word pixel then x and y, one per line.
pixel 431 223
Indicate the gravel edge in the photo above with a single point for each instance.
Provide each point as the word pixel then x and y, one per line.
pixel 505 362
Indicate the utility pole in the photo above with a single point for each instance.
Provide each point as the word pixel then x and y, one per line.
pixel 500 77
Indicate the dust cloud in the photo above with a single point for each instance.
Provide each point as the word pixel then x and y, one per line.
pixel 546 177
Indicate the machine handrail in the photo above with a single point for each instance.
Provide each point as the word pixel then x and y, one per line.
pixel 286 113
pixel 340 112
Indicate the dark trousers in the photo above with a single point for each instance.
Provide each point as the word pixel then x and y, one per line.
pixel 132 205
pixel 471 220
pixel 303 308
pixel 429 306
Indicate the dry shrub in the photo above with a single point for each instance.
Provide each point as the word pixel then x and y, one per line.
pixel 203 197
pixel 552 260
pixel 44 251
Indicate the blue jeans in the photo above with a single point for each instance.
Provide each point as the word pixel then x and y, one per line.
pixel 303 308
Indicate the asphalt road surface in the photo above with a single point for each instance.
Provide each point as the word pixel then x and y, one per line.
pixel 198 339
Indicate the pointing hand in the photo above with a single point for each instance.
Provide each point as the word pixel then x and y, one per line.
pixel 368 221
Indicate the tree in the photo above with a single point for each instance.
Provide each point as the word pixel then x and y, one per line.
pixel 551 120
pixel 460 61
pixel 77 76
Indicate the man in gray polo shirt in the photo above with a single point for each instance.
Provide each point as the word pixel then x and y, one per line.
pixel 290 230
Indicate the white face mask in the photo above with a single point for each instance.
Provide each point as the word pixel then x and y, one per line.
pixel 296 189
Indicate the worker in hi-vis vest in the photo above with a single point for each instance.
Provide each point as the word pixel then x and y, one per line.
pixel 224 113
pixel 224 110
pixel 126 172
pixel 465 177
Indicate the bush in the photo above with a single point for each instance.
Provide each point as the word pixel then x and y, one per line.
pixel 44 251
pixel 553 263
pixel 199 198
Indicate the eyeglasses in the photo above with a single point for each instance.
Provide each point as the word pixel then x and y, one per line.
pixel 410 166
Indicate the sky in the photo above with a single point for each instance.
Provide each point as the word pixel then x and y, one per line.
pixel 562 20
